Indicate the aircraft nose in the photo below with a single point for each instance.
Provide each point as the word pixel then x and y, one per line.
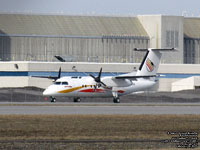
pixel 46 92
pixel 49 92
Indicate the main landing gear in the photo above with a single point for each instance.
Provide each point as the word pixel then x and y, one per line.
pixel 116 100
pixel 53 99
pixel 77 99
pixel 115 97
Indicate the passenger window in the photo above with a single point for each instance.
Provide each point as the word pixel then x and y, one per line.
pixel 64 83
pixel 57 83
pixel 74 77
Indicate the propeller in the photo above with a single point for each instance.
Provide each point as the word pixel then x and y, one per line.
pixel 98 78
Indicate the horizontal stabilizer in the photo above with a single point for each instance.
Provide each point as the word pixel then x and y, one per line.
pixel 156 49
pixel 133 77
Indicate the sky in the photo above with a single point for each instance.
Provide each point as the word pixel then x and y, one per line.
pixel 103 7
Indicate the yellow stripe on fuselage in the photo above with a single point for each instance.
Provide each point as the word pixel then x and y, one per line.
pixel 70 90
pixel 73 89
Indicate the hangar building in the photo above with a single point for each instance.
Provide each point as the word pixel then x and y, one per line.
pixel 97 38
pixel 79 38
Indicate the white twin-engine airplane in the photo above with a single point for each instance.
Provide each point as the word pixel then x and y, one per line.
pixel 108 86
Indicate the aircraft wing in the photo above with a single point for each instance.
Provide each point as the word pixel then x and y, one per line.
pixel 47 77
pixel 50 77
pixel 120 81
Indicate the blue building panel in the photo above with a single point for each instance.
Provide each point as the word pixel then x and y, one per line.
pixel 40 73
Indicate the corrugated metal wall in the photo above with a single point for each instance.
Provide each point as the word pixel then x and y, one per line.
pixel 192 40
pixel 191 51
pixel 79 49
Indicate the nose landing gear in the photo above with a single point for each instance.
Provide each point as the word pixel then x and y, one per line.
pixel 77 100
pixel 53 99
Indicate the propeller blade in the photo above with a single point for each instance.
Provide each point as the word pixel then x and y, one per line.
pixel 99 76
pixel 98 79
pixel 59 73
pixel 92 76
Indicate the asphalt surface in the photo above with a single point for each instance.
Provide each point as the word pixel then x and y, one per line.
pixel 108 109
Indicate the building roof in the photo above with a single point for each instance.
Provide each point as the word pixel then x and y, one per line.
pixel 192 28
pixel 60 25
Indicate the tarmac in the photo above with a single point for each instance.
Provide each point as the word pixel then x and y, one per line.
pixel 97 108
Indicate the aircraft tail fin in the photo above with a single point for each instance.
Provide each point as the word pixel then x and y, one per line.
pixel 151 61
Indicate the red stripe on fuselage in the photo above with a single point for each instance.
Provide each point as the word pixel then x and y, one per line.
pixel 120 91
pixel 92 90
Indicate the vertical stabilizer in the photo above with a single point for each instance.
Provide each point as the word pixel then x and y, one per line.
pixel 151 61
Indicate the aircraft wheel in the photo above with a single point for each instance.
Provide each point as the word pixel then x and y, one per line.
pixel 53 100
pixel 77 100
pixel 116 100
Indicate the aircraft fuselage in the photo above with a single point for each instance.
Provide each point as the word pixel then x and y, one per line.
pixel 87 87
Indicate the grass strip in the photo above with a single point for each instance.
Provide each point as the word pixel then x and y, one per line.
pixel 90 127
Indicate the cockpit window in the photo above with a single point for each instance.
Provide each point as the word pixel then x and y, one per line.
pixel 64 83
pixel 57 83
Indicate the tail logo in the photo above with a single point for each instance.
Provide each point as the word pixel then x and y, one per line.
pixel 150 65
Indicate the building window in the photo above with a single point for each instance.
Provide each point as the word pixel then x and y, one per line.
pixel 172 38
